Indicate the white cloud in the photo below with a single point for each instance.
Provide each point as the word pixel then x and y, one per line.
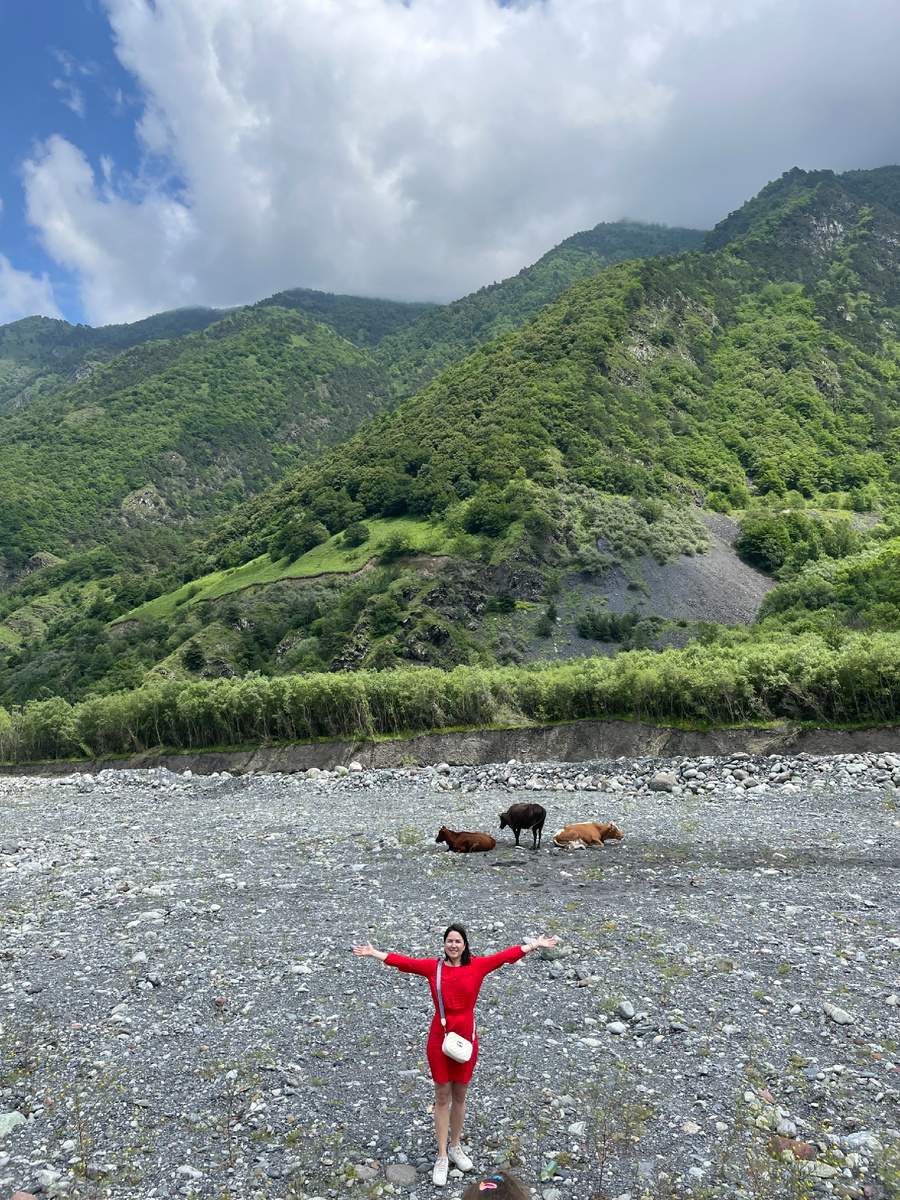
pixel 71 95
pixel 411 148
pixel 23 295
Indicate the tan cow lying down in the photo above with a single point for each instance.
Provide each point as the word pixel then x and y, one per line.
pixel 586 833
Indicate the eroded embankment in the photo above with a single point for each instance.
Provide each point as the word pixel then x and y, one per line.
pixel 578 741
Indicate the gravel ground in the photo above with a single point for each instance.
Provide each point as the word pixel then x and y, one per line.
pixel 181 1015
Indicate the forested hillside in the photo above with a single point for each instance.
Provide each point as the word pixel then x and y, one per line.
pixel 179 430
pixel 447 333
pixel 767 366
pixel 40 355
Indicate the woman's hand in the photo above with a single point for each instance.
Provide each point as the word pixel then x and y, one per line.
pixel 542 942
pixel 369 951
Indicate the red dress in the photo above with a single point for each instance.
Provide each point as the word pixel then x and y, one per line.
pixel 459 987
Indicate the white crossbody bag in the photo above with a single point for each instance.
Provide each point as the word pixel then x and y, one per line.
pixel 453 1046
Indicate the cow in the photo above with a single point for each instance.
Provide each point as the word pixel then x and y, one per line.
pixel 586 833
pixel 465 843
pixel 525 816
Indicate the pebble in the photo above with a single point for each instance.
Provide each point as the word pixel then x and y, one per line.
pixel 840 1016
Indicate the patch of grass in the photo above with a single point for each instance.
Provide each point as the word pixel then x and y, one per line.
pixel 331 557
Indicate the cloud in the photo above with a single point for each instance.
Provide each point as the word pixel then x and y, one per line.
pixel 23 295
pixel 408 148
pixel 70 94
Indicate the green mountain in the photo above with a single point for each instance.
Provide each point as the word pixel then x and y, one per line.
pixel 766 365
pixel 179 431
pixel 755 372
pixel 447 333
pixel 359 319
pixel 121 471
pixel 40 355
pixel 205 410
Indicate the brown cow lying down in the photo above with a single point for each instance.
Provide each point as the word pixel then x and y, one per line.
pixel 465 843
pixel 587 833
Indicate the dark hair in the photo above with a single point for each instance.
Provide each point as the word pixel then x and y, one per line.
pixel 461 930
pixel 506 1187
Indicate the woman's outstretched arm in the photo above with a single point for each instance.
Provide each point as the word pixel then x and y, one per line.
pixel 514 954
pixel 412 966
pixel 367 950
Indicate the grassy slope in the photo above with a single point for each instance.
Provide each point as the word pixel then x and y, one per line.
pixel 329 558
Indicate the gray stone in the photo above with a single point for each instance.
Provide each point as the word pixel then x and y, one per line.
pixel 9 1121
pixel 550 953
pixel 625 1010
pixel 863 1142
pixel 617 1027
pixel 840 1016
pixel 401 1173
pixel 662 782
pixel 365 1174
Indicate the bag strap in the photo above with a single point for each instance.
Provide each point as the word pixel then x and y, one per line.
pixel 439 996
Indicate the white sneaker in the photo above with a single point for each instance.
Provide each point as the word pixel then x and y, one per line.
pixel 439 1174
pixel 460 1159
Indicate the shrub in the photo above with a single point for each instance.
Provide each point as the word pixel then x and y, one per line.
pixel 192 657
pixel 356 534
pixel 297 539
pixel 801 678
pixel 501 602
pixel 397 546
pixel 386 616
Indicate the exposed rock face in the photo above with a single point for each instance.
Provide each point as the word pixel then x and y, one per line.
pixel 10 576
pixel 146 502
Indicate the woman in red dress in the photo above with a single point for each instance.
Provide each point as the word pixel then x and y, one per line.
pixel 461 981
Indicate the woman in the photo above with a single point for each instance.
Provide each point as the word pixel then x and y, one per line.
pixel 461 980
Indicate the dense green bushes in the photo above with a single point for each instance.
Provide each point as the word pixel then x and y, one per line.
pixel 786 541
pixel 801 678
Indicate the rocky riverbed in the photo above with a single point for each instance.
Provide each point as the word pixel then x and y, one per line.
pixel 181 1015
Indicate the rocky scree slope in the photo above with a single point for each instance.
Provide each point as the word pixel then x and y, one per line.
pixel 182 1017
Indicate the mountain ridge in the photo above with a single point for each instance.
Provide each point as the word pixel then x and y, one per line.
pixel 755 373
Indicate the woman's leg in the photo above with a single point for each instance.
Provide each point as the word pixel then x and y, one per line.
pixel 442 1092
pixel 457 1111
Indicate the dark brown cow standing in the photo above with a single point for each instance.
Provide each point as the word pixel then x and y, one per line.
pixel 525 816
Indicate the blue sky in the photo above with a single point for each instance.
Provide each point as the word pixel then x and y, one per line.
pixel 157 153
pixel 57 56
